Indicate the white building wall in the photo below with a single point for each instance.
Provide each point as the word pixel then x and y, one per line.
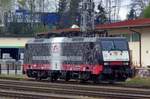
pixel 13 42
pixel 134 50
pixel 145 49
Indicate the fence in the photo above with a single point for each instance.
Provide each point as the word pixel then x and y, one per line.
pixel 143 72
pixel 10 67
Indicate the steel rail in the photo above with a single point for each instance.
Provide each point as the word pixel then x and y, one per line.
pixel 34 95
pixel 73 86
pixel 83 90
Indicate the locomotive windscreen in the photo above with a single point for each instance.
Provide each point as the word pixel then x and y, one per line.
pixel 114 45
pixel 121 45
pixel 107 45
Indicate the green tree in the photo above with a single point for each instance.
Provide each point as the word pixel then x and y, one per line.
pixel 40 28
pixel 22 3
pixel 5 6
pixel 62 6
pixel 101 17
pixel 147 12
pixel 69 13
pixel 61 11
pixel 73 13
pixel 139 6
pixel 132 14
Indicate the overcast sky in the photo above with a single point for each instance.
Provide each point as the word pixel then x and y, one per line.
pixel 124 9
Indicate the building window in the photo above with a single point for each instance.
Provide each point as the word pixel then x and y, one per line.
pixel 127 36
pixel 135 37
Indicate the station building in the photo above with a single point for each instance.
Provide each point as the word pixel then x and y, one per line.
pixel 12 54
pixel 137 33
pixel 12 47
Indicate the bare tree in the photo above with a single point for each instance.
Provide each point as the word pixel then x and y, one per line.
pixel 139 5
pixel 112 8
pixel 5 6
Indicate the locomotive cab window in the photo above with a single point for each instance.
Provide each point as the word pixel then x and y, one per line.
pixel 107 45
pixel 114 45
pixel 120 45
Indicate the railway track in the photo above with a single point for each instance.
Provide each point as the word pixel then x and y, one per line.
pixel 30 89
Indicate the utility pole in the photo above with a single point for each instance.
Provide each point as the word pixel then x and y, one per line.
pixel 87 16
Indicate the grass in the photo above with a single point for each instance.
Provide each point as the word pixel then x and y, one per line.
pixel 13 77
pixel 138 81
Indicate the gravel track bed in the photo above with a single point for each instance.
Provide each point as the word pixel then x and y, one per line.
pixel 72 89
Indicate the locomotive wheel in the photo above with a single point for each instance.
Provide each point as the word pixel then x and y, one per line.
pixel 50 79
pixel 53 77
pixel 111 82
pixel 38 77
pixel 83 77
pixel 95 79
pixel 29 72
pixel 67 77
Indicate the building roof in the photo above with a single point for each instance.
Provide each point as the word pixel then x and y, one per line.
pixel 117 25
pixel 62 30
pixel 126 23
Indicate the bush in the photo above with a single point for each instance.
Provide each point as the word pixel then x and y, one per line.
pixel 147 12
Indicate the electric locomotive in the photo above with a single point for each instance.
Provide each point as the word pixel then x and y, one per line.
pixel 81 58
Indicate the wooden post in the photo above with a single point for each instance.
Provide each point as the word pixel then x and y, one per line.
pixel 0 69
pixel 7 69
pixel 16 68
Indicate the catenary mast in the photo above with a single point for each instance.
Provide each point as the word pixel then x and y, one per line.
pixel 87 16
